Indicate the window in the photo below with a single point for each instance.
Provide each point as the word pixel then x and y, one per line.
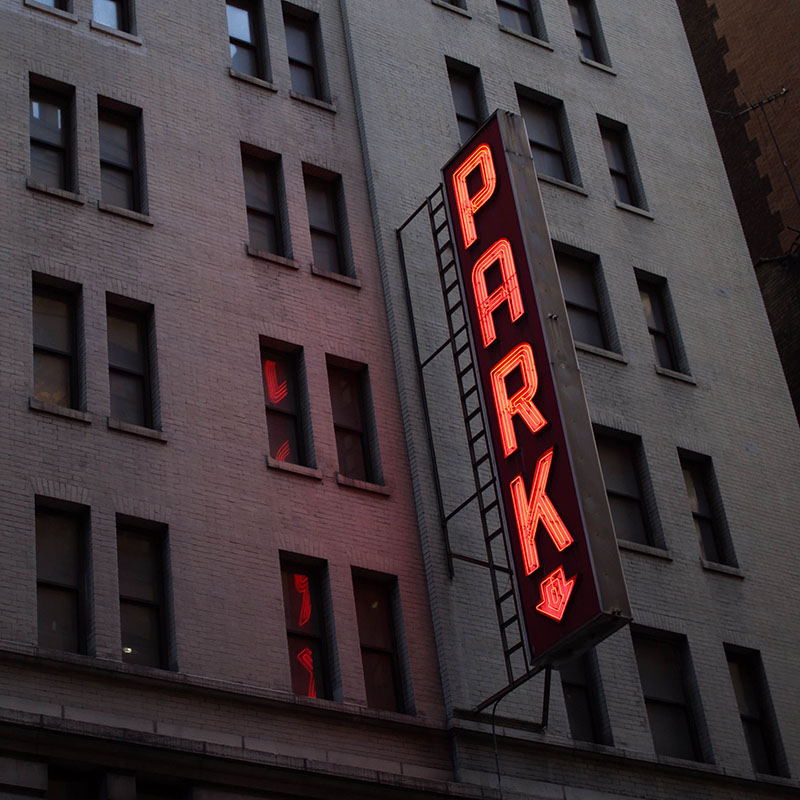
pixel 61 577
pixel 305 624
pixel 660 323
pixel 465 88
pixel 55 357
pixel 121 174
pixel 545 123
pixel 324 200
pixel 114 14
pixel 263 199
pixel 622 461
pixel 51 132
pixel 245 40
pixel 709 522
pixel 129 364
pixel 140 558
pixel 285 403
pixel 582 696
pixel 587 29
pixel 582 286
pixel 621 164
pixel 523 16
pixel 63 5
pixel 303 48
pixel 352 423
pixel 376 631
pixel 755 710
pixel 664 671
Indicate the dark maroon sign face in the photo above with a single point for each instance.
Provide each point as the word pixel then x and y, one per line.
pixel 542 508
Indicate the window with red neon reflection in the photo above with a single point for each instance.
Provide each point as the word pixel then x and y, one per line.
pixel 305 619
pixel 283 405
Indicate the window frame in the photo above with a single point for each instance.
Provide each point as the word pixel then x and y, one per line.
pixel 691 703
pixel 469 77
pixel 79 515
pixel 125 16
pixel 616 136
pixel 528 9
pixel 130 118
pixel 142 315
pixel 657 291
pixel 319 591
pixel 701 467
pixel 158 535
pixel 254 10
pixel 593 33
pixel 366 432
pixel 62 96
pixel 332 186
pixel 308 24
pixel 590 682
pixel 271 167
pixel 70 296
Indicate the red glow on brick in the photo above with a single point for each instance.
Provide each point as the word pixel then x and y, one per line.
pixel 555 590
pixel 283 452
pixel 521 402
pixel 507 292
pixel 276 391
pixel 301 585
pixel 306 659
pixel 529 511
pixel 480 158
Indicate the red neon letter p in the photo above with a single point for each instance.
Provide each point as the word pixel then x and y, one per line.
pixel 467 206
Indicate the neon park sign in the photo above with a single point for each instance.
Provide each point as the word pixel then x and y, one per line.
pixel 568 574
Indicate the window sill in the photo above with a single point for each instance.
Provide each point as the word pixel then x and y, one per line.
pixel 366 486
pixel 645 549
pixel 336 276
pixel 125 213
pixel 62 194
pixel 527 37
pixel 677 376
pixel 724 569
pixel 136 430
pixel 263 255
pixel 314 101
pixel 116 33
pixel 59 411
pixel 296 469
pixel 641 212
pixel 572 187
pixel 54 12
pixel 252 79
pixel 597 65
pixel 450 7
pixel 601 351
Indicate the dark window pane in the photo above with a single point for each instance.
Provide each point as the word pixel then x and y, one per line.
pixel 586 326
pixel 259 188
pixel 52 379
pixel 345 387
pixel 463 89
pixel 618 460
pixel 300 601
pixel 744 686
pixel 239 24
pixel 757 746
pixel 662 350
pixel 244 59
pixel 671 729
pixel 283 439
pixel 577 281
pixel 579 713
pixel 57 611
pixel 128 398
pixel 466 128
pixel 303 80
pixel 622 189
pixel 116 143
pixel 52 323
pixel 513 18
pixel 278 371
pixel 708 540
pixel 140 628
pixel 629 523
pixel 615 152
pixel 325 248
pixel 321 202
pixel 374 613
pixel 379 680
pixel 58 548
pixel 580 17
pixel 262 231
pixel 550 163
pixel 48 166
pixel 661 670
pixel 108 12
pixel 117 187
pixel 541 123
pixel 305 661
pixel 125 343
pixel 299 40
pixel 587 48
pixel 139 558
pixel 48 120
pixel 350 450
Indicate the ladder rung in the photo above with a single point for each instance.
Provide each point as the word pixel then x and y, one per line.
pixel 510 621
pixel 513 649
pixel 505 596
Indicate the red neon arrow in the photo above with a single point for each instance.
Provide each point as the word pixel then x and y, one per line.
pixel 555 590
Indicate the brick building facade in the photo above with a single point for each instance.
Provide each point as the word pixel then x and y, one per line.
pixel 223 570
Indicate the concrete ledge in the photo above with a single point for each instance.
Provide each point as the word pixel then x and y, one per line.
pixel 640 212
pixel 62 194
pixel 527 37
pixel 325 105
pixel 271 258
pixel 126 213
pixel 675 375
pixel 599 351
pixel 67 16
pixel 116 33
pixel 295 469
pixel 365 486
pixel 136 430
pixel 597 65
pixel 723 569
pixel 252 79
pixel 572 187
pixel 59 411
pixel 336 276
pixel 645 549
pixel 450 7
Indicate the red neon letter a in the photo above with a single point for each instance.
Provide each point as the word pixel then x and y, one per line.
pixel 521 402
pixel 530 510
pixel 506 292
pixel 467 206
